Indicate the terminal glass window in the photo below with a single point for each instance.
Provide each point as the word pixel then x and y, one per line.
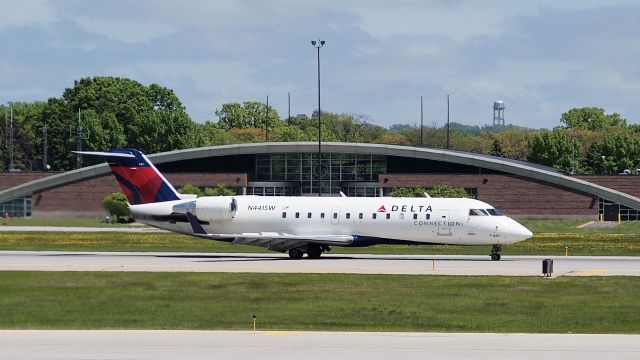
pixel 305 169
pixel 19 207
pixel 611 211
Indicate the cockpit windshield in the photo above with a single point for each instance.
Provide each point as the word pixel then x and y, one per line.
pixel 477 212
pixel 495 212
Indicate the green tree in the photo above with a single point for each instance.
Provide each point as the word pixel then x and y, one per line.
pixel 621 151
pixel 407 192
pixel 591 118
pixel 446 191
pixel 350 128
pixel 219 190
pixel 115 112
pixel 289 133
pixel 496 148
pixel 439 191
pixel 27 134
pixel 555 148
pixel 392 138
pixel 190 189
pixel 211 134
pixel 233 115
pixel 116 204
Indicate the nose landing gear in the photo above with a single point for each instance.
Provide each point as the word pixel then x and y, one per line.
pixel 495 252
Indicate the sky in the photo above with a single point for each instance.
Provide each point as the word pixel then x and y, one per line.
pixel 541 58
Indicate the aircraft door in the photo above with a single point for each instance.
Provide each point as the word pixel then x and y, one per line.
pixel 443 223
pixel 611 212
pixel 335 216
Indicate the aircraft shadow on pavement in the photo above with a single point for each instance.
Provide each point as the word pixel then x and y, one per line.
pixel 255 257
pixel 258 257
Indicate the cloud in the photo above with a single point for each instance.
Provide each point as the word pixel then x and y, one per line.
pixel 27 13
pixel 130 32
pixel 541 58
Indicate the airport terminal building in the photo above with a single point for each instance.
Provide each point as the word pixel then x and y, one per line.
pixel 521 190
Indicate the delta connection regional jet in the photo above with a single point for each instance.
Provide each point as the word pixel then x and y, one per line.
pixel 310 225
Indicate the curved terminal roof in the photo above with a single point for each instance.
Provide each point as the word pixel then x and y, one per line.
pixel 527 170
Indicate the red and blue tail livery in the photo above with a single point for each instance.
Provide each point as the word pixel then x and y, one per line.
pixel 140 181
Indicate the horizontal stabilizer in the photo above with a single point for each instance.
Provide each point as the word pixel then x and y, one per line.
pixel 105 153
pixel 195 225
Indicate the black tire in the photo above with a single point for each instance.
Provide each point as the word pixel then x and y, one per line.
pixel 314 252
pixel 495 257
pixel 296 254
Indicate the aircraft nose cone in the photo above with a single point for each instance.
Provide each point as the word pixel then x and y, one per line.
pixel 522 233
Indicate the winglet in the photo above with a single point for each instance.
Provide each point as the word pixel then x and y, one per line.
pixel 195 225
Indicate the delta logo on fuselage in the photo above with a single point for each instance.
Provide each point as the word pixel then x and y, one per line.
pixel 407 208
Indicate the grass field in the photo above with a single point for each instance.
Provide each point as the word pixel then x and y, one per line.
pixel 80 300
pixel 541 244
pixel 571 226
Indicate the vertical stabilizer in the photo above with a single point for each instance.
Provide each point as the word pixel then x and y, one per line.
pixel 140 181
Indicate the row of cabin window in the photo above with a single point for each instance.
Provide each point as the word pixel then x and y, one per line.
pixel 360 215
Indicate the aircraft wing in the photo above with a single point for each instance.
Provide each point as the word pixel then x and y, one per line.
pixel 271 240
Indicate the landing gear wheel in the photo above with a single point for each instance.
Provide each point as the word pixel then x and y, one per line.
pixel 314 251
pixel 296 254
pixel 495 252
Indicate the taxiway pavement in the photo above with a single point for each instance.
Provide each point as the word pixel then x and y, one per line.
pixel 329 263
pixel 158 345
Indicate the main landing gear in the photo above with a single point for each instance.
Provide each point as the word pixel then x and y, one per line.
pixel 296 253
pixel 314 251
pixel 495 252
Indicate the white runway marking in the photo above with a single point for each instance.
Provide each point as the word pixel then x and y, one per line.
pixel 351 264
pixel 158 345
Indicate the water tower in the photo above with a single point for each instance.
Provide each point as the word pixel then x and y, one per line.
pixel 498 112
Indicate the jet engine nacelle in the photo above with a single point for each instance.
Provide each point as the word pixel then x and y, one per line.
pixel 214 208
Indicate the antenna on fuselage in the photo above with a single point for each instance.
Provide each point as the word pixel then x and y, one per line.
pixel 427 195
pixel 342 194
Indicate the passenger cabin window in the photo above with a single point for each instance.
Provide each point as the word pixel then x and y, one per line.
pixel 428 216
pixel 321 215
pixel 415 216
pixel 297 215
pixel 308 215
pixel 360 216
pixel 388 216
pixel 401 216
pixel 348 215
pixel 335 215
pixel 495 212
pixel 477 212
pixel 374 215
pixel 284 214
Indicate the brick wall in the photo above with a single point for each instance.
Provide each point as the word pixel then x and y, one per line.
pixel 85 197
pixel 514 195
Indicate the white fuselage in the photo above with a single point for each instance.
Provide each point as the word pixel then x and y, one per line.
pixel 385 219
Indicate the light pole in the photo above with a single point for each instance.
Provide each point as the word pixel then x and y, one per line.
pixel 318 44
